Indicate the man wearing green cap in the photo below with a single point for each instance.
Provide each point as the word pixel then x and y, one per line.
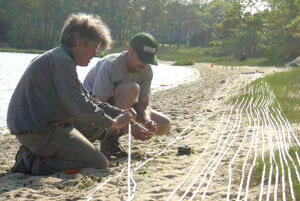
pixel 124 80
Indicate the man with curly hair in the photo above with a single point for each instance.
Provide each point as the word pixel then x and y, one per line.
pixel 50 112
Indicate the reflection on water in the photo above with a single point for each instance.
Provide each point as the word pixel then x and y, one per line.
pixel 13 65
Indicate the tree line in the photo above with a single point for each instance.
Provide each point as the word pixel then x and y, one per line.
pixel 225 27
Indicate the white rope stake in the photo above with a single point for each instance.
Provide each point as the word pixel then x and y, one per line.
pixel 129 161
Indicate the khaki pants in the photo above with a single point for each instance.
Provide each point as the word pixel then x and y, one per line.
pixel 63 148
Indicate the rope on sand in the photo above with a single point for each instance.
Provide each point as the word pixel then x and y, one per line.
pixel 211 158
pixel 272 158
pixel 266 104
pixel 238 151
pixel 200 157
pixel 90 196
pixel 248 153
pixel 172 194
pixel 286 146
pixel 270 143
pixel 178 137
pixel 226 151
pixel 282 155
pixel 280 158
pixel 255 151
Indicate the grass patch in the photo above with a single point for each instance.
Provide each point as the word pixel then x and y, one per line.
pixel 259 167
pixel 184 62
pixel 22 50
pixel 206 55
pixel 285 86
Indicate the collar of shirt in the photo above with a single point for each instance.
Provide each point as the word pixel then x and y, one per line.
pixel 69 51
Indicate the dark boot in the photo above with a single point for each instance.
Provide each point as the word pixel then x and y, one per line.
pixel 110 145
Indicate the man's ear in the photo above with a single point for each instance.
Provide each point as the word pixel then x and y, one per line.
pixel 131 51
pixel 79 43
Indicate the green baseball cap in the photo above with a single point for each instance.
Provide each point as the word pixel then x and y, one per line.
pixel 145 47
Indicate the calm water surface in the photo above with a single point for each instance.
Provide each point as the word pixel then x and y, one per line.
pixel 13 65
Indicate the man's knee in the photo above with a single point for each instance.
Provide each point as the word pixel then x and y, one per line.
pixel 131 89
pixel 101 162
pixel 164 126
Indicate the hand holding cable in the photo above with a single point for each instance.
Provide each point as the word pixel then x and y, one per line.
pixel 123 119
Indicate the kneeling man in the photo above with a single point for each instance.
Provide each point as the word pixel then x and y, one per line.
pixel 124 80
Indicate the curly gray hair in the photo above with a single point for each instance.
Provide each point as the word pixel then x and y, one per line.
pixel 90 28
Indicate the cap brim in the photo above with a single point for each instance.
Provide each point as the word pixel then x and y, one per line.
pixel 148 59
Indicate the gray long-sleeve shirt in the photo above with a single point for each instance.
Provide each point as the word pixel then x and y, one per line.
pixel 50 92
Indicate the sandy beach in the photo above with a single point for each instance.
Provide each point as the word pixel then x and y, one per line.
pixel 225 138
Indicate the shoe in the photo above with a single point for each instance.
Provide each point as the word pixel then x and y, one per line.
pixel 19 165
pixel 110 145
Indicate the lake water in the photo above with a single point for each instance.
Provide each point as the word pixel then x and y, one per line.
pixel 13 65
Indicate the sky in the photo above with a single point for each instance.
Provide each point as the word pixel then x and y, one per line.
pixel 259 6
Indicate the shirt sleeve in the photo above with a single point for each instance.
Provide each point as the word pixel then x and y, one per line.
pixel 73 97
pixel 103 85
pixel 145 86
pixel 108 109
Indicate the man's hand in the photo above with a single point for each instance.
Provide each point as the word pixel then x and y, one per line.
pixel 140 133
pixel 123 119
pixel 151 126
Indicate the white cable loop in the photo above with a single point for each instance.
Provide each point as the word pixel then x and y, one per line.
pixel 197 177
pixel 238 151
pixel 200 157
pixel 283 154
pixel 234 85
pixel 286 146
pixel 249 151
pixel 280 158
pixel 227 149
pixel 270 143
pixel 211 158
pixel 273 158
pixel 255 154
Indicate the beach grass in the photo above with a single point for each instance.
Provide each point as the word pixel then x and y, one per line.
pixel 22 50
pixel 183 62
pixel 207 55
pixel 260 164
pixel 285 86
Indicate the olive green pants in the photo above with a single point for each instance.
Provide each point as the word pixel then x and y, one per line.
pixel 62 148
